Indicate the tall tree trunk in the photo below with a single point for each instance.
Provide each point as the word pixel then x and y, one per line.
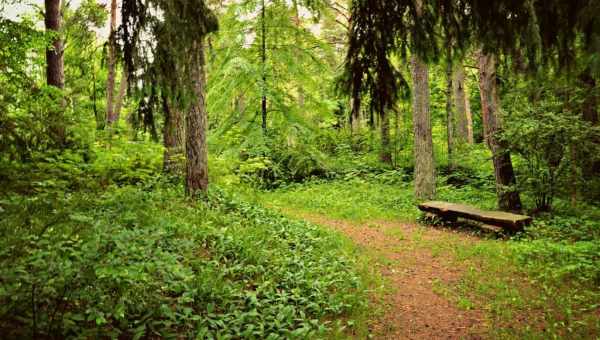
pixel 464 118
pixel 590 104
pixel 423 149
pixel 371 119
pixel 589 111
pixel 508 197
pixel 197 127
pixel 121 95
pixel 386 152
pixel 450 119
pixel 100 119
pixel 355 113
pixel 110 83
pixel 574 176
pixel 173 136
pixel 263 57
pixel 55 73
pixel 298 24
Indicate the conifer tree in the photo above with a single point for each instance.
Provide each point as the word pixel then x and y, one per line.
pixel 181 27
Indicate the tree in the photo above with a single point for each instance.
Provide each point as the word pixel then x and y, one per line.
pixel 298 41
pixel 173 135
pixel 423 149
pixel 589 111
pixel 112 55
pixel 450 115
pixel 196 121
pixel 120 95
pixel 508 196
pixel 368 68
pixel 180 29
pixel 355 113
pixel 55 73
pixel 263 58
pixel 464 117
pixel 386 152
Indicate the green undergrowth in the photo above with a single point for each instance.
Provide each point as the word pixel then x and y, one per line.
pixel 118 161
pixel 361 200
pixel 542 283
pixel 141 262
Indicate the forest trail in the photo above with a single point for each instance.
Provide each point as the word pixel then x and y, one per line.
pixel 412 306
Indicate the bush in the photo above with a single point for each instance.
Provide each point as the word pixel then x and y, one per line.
pixel 122 163
pixel 273 162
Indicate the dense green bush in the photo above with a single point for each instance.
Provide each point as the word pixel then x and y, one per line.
pixel 273 161
pixel 118 162
pixel 138 263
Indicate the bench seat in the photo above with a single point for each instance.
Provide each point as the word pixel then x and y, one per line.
pixel 451 211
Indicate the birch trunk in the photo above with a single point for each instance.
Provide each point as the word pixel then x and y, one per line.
pixel 121 95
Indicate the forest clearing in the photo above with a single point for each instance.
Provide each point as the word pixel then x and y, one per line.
pixel 299 169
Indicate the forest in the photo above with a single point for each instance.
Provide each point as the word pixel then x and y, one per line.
pixel 274 169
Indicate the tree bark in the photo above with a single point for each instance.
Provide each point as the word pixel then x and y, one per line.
pixel 110 83
pixel 173 136
pixel 589 112
pixel 508 196
pixel 196 127
pixel 386 152
pixel 423 149
pixel 355 114
pixel 450 117
pixel 263 57
pixel 298 24
pixel 464 118
pixel 590 104
pixel 121 95
pixel 55 73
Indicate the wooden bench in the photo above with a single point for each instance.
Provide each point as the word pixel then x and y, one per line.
pixel 492 219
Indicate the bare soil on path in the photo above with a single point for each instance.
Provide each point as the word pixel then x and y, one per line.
pixel 412 307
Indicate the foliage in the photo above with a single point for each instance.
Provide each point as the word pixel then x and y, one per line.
pixel 95 240
pixel 89 169
pixel 548 136
pixel 140 261
pixel 295 98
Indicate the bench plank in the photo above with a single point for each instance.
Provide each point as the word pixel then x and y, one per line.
pixel 453 210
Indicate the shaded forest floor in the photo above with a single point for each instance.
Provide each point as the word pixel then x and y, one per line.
pixel 441 282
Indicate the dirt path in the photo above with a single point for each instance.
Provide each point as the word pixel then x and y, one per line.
pixel 412 309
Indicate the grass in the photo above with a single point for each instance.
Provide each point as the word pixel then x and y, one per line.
pixel 361 200
pixel 533 287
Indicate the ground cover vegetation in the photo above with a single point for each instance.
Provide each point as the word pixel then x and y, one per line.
pixel 209 169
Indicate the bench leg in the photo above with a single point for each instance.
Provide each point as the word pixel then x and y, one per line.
pixel 449 218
